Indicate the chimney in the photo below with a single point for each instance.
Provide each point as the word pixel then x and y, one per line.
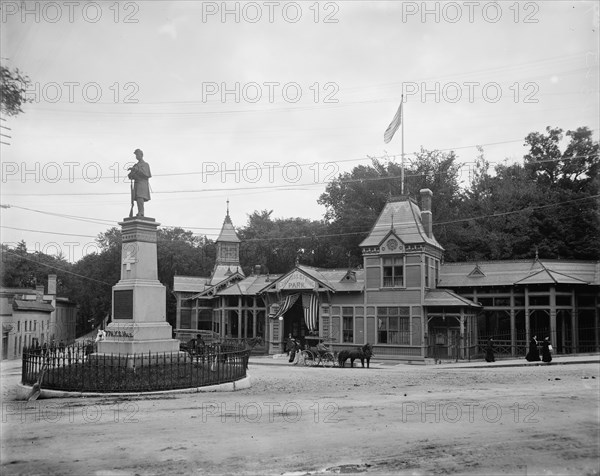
pixel 257 269
pixel 426 218
pixel 39 292
pixel 52 284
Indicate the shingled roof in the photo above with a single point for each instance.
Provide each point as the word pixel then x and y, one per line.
pixel 403 216
pixel 511 272
pixel 228 233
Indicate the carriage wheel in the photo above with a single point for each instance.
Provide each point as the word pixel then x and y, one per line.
pixel 308 357
pixel 328 360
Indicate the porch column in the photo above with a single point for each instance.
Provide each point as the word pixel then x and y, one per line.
pixel 513 330
pixel 574 324
pixel 462 333
pixel 194 319
pixel 240 321
pixel 527 325
pixel 424 333
pixel 597 324
pixel 254 316
pixel 553 330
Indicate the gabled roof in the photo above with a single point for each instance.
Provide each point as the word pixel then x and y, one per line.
pixel 443 297
pixel 328 279
pixel 189 284
pixel 546 276
pixel 39 306
pixel 511 272
pixel 214 289
pixel 222 272
pixel 403 216
pixel 250 286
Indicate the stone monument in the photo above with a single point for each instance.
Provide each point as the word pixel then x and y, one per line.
pixel 139 324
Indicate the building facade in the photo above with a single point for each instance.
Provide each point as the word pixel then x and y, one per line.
pixel 30 317
pixel 403 300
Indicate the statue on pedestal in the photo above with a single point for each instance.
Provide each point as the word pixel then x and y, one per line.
pixel 140 188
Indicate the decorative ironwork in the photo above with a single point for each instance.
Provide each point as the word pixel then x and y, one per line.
pixel 77 368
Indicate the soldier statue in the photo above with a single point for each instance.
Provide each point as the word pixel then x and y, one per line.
pixel 140 188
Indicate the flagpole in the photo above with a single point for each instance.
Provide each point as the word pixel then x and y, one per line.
pixel 402 163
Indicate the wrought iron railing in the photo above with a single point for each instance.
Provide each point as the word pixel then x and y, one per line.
pixel 79 368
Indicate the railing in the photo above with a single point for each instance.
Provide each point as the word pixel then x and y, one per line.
pixel 78 368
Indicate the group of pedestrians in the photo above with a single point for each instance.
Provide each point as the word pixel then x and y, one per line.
pixel 534 355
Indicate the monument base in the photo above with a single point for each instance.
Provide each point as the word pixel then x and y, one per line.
pixel 138 343
pixel 139 360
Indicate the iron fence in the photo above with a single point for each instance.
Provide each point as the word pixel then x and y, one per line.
pixel 79 368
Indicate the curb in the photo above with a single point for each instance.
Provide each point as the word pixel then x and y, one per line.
pixel 242 384
pixel 516 364
pixel 458 365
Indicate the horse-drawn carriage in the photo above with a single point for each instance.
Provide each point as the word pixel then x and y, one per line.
pixel 219 349
pixel 322 355
pixel 318 355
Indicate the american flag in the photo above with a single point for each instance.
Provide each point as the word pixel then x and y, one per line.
pixel 310 303
pixel 284 306
pixel 393 127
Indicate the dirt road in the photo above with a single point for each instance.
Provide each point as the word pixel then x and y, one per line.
pixel 297 420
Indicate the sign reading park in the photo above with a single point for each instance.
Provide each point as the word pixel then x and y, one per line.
pixel 297 280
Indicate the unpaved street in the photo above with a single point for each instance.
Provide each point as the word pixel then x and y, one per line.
pixel 389 419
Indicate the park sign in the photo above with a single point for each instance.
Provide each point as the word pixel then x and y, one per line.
pixel 296 280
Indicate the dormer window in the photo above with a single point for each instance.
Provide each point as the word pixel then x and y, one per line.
pixel 393 271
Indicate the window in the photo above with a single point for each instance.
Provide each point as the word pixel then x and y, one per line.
pixel 393 325
pixel 347 324
pixel 393 272
pixel 186 319
pixel 205 319
pixel 427 283
pixel 229 252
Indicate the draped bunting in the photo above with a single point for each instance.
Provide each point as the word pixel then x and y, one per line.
pixel 284 306
pixel 310 303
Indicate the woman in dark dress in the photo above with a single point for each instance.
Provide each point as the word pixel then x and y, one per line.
pixel 533 355
pixel 546 356
pixel 489 351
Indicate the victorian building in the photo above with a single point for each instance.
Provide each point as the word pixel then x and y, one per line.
pixel 403 300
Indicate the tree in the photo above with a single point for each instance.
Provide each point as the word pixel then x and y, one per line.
pixel 13 88
pixel 277 243
pixel 23 269
pixel 548 205
pixel 180 252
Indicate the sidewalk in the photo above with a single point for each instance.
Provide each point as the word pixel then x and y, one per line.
pixel 282 359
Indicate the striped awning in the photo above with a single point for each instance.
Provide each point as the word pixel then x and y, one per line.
pixel 310 303
pixel 283 306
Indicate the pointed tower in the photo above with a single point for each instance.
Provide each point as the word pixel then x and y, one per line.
pixel 228 252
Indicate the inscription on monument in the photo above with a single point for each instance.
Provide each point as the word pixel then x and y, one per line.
pixel 123 304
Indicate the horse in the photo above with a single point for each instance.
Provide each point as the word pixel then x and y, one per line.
pixel 222 350
pixel 363 353
pixel 250 344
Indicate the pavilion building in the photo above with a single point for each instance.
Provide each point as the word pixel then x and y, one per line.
pixel 403 299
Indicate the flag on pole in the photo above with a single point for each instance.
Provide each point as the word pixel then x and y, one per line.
pixel 393 127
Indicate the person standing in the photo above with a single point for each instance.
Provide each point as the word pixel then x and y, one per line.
pixel 294 346
pixel 533 355
pixel 546 350
pixel 489 351
pixel 139 174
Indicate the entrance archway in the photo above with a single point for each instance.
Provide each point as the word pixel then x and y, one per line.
pixel 293 323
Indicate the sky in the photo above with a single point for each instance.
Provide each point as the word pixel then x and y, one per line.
pixel 264 103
